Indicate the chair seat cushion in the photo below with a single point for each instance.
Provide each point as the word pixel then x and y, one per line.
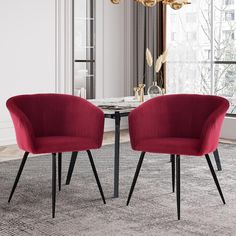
pixel 178 146
pixel 55 144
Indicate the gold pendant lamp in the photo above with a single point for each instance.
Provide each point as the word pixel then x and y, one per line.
pixel 174 4
pixel 148 3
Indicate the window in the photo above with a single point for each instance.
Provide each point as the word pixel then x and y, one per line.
pixel 228 34
pixel 208 54
pixel 229 2
pixel 202 59
pixel 229 15
pixel 173 36
pixel 191 17
pixel 84 48
pixel 191 36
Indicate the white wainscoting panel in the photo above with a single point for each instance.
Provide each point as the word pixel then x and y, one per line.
pixel 27 58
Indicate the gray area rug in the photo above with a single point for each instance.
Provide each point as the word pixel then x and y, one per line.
pixel 152 211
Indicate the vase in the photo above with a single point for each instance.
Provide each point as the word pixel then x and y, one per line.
pixel 154 90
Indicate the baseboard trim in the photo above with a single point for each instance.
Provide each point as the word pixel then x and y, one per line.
pixel 7 141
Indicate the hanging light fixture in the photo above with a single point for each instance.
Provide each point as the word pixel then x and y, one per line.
pixel 148 3
pixel 174 4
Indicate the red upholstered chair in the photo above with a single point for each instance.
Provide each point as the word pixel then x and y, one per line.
pixel 177 125
pixel 56 123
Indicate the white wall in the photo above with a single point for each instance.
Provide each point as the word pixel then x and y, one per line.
pixel 229 128
pixel 110 49
pixel 112 52
pixel 35 51
pixel 27 53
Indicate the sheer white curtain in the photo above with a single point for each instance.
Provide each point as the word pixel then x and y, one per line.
pixel 202 49
pixel 189 67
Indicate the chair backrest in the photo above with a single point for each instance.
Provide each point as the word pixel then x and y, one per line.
pixel 53 114
pixel 180 115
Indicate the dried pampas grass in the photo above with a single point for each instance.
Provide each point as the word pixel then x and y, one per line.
pixel 149 57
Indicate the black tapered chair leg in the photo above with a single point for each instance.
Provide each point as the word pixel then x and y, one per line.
pixel 178 185
pixel 18 175
pixel 54 184
pixel 135 176
pixel 173 171
pixel 71 167
pixel 215 177
pixel 96 175
pixel 59 170
pixel 217 159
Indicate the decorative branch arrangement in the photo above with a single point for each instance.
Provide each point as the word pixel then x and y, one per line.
pixel 159 62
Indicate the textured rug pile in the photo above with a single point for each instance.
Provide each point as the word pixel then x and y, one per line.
pixel 152 211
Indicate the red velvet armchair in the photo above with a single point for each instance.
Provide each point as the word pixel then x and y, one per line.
pixel 56 123
pixel 177 125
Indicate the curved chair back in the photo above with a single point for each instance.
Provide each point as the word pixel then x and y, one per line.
pixel 42 115
pixel 181 115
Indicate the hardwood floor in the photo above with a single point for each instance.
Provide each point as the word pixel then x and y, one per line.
pixel 12 152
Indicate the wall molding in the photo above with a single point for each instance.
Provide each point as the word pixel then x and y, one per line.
pixel 7 141
pixel 128 25
pixel 62 60
pixel 99 56
pixel 63 46
pixel 6 124
pixel 7 129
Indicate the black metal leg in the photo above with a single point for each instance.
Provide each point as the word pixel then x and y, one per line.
pixel 54 178
pixel 178 185
pixel 71 167
pixel 117 155
pixel 59 170
pixel 18 175
pixel 214 177
pixel 173 171
pixel 96 175
pixel 217 159
pixel 135 177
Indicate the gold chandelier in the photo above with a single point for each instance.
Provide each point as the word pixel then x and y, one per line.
pixel 174 4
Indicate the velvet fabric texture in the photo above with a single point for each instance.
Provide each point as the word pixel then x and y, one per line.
pixel 52 123
pixel 183 124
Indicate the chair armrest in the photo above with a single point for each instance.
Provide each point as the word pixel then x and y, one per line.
pixel 144 122
pixel 211 131
pixel 23 129
pixel 89 122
